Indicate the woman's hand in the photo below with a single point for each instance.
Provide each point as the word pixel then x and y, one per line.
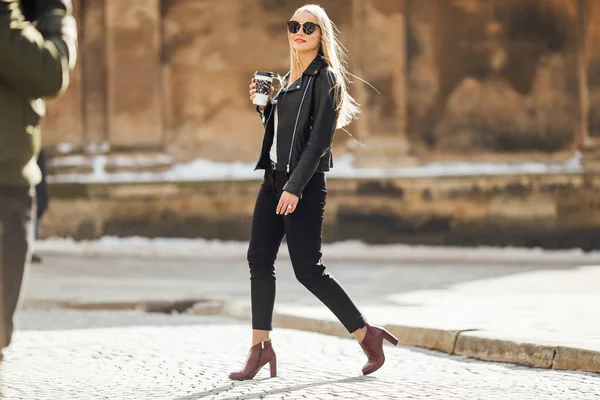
pixel 287 203
pixel 253 93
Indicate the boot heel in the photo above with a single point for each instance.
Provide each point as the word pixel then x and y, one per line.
pixel 390 338
pixel 273 366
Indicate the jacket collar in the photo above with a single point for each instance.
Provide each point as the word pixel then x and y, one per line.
pixel 313 68
pixel 316 65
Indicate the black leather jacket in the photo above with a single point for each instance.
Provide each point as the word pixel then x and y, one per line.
pixel 307 118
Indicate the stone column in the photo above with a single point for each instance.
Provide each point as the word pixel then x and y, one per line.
pixel 360 92
pixel 63 123
pixel 134 74
pixel 582 61
pixel 399 60
pixel 389 147
pixel 93 53
pixel 589 146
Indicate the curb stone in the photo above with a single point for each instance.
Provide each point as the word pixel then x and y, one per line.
pixel 471 343
pixel 75 305
pixel 477 345
pixel 428 338
pixel 569 358
pixel 166 306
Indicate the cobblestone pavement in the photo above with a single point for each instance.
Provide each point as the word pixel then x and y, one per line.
pixel 65 355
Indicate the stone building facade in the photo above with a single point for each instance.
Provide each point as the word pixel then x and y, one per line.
pixel 470 78
pixel 462 79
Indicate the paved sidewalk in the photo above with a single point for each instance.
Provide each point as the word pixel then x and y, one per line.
pixel 540 315
pixel 68 355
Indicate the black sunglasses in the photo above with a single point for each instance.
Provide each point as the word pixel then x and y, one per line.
pixel 307 27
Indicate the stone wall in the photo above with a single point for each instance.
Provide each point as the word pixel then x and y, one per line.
pixel 553 211
pixel 495 76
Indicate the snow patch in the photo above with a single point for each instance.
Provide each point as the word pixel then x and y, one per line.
pixel 344 168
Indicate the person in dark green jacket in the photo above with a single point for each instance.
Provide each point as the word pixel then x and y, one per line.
pixel 37 54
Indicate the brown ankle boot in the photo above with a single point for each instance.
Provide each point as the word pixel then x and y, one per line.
pixel 260 354
pixel 372 345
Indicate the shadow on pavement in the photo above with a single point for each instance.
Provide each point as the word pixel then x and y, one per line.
pixel 262 394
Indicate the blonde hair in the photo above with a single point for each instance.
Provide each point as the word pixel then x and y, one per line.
pixel 335 56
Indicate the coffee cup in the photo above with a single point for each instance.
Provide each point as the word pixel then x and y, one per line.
pixel 263 81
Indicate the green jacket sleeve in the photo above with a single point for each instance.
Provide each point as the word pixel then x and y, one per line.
pixel 36 61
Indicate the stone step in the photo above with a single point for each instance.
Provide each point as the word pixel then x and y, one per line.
pixel 109 163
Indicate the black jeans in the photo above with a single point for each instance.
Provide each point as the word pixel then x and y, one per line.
pixel 303 230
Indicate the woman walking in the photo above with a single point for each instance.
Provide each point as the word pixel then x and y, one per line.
pixel 299 123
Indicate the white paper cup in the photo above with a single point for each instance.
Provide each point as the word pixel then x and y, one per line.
pixel 263 81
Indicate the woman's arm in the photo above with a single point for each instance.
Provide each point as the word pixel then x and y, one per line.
pixel 321 135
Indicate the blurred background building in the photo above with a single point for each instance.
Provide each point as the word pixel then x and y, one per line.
pixel 505 94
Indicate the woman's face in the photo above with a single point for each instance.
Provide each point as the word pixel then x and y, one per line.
pixel 302 42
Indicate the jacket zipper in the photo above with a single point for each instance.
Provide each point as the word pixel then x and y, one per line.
pixel 296 125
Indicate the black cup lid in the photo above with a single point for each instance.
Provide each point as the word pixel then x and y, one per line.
pixel 264 73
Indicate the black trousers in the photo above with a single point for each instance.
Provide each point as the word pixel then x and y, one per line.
pixel 303 230
pixel 16 235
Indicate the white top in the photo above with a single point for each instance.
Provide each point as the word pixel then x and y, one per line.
pixel 273 152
